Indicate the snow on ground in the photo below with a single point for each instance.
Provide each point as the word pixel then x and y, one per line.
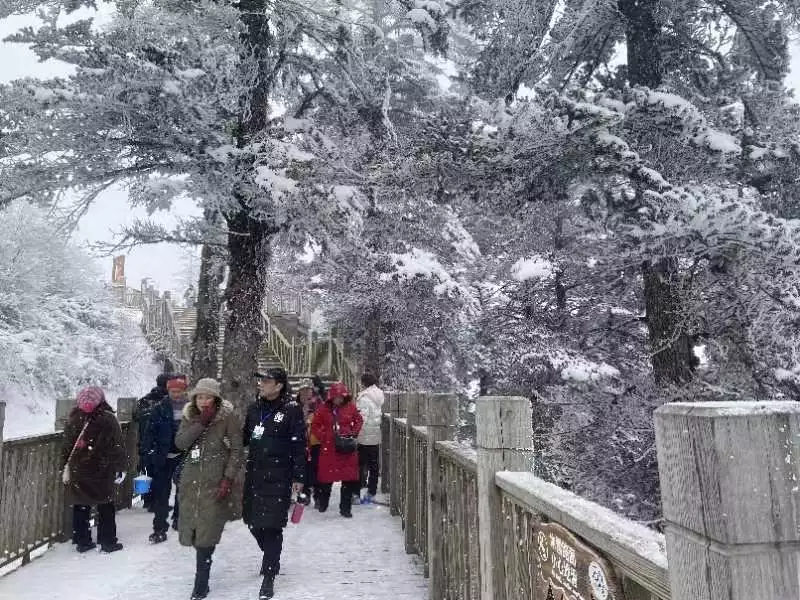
pixel 325 557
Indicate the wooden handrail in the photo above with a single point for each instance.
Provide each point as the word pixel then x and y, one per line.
pixel 434 489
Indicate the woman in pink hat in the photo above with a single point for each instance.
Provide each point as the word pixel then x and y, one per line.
pixel 94 460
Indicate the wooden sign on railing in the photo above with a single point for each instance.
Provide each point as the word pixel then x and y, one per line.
pixel 568 569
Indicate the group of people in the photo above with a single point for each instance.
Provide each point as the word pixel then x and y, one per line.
pixel 293 449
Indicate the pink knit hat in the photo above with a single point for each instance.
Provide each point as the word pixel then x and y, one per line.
pixel 89 398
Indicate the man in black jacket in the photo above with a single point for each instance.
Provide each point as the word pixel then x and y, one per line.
pixel 143 408
pixel 275 435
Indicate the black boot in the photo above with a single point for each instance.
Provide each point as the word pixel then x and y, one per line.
pixel 202 574
pixel 267 588
pixel 263 570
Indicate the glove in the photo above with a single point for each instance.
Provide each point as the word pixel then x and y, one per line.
pixel 120 478
pixel 208 414
pixel 65 475
pixel 224 489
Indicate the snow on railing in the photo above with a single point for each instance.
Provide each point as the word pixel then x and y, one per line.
pixel 477 528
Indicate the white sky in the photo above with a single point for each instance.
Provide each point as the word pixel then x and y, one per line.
pixel 164 264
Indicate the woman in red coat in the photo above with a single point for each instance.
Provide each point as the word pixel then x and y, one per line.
pixel 338 416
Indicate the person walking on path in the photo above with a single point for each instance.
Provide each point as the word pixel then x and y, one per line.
pixel 210 437
pixel 309 401
pixel 336 425
pixel 156 447
pixel 275 434
pixel 93 460
pixel 370 405
pixel 177 395
pixel 143 408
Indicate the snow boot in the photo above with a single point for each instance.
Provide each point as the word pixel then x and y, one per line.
pixel 263 570
pixel 175 524
pixel 85 547
pixel 109 548
pixel 267 588
pixel 157 537
pixel 347 514
pixel 202 574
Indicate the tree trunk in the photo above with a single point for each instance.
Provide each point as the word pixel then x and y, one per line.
pixel 673 354
pixel 205 361
pixel 372 343
pixel 249 237
pixel 673 357
pixel 249 250
pixel 641 36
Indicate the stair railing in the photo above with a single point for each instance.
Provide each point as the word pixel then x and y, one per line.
pixel 277 342
pixel 341 366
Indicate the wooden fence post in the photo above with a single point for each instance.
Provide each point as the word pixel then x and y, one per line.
pixel 415 415
pixel 390 411
pixel 2 423
pixel 394 461
pixel 729 486
pixel 504 439
pixel 63 408
pixel 125 414
pixel 442 419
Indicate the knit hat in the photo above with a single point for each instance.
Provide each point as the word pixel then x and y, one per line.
pixel 176 384
pixel 206 386
pixel 89 398
pixel 306 384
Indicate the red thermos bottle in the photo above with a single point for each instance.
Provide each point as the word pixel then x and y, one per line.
pixel 299 506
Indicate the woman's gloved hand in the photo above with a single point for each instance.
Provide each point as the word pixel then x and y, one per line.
pixel 224 489
pixel 207 415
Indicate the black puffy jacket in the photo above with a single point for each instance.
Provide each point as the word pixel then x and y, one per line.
pixel 274 460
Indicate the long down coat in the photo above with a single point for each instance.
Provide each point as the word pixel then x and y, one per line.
pixel 99 456
pixel 275 459
pixel 202 516
pixel 333 465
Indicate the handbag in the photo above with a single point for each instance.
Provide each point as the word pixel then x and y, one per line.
pixel 346 444
pixel 66 475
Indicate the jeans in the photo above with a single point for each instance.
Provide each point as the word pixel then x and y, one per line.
pixel 369 465
pixel 106 524
pixel 161 489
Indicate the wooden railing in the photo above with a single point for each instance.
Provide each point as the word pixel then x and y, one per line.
pixel 458 468
pixel 33 509
pixel 158 322
pixel 435 486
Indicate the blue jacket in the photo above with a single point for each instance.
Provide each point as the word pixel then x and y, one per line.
pixel 159 434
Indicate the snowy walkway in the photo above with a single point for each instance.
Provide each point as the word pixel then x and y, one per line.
pixel 325 557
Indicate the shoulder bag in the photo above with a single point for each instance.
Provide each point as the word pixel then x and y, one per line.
pixel 345 444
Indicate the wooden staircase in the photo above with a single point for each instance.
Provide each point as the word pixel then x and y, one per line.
pixel 287 344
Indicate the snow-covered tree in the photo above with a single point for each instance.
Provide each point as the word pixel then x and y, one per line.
pixel 58 330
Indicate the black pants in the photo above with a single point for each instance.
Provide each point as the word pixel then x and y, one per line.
pixel 349 489
pixel 106 524
pixel 161 489
pixel 271 543
pixel 369 464
pixel 311 486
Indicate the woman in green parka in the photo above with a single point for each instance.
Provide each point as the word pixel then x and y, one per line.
pixel 210 437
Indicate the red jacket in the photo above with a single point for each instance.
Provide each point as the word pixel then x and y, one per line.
pixel 333 465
